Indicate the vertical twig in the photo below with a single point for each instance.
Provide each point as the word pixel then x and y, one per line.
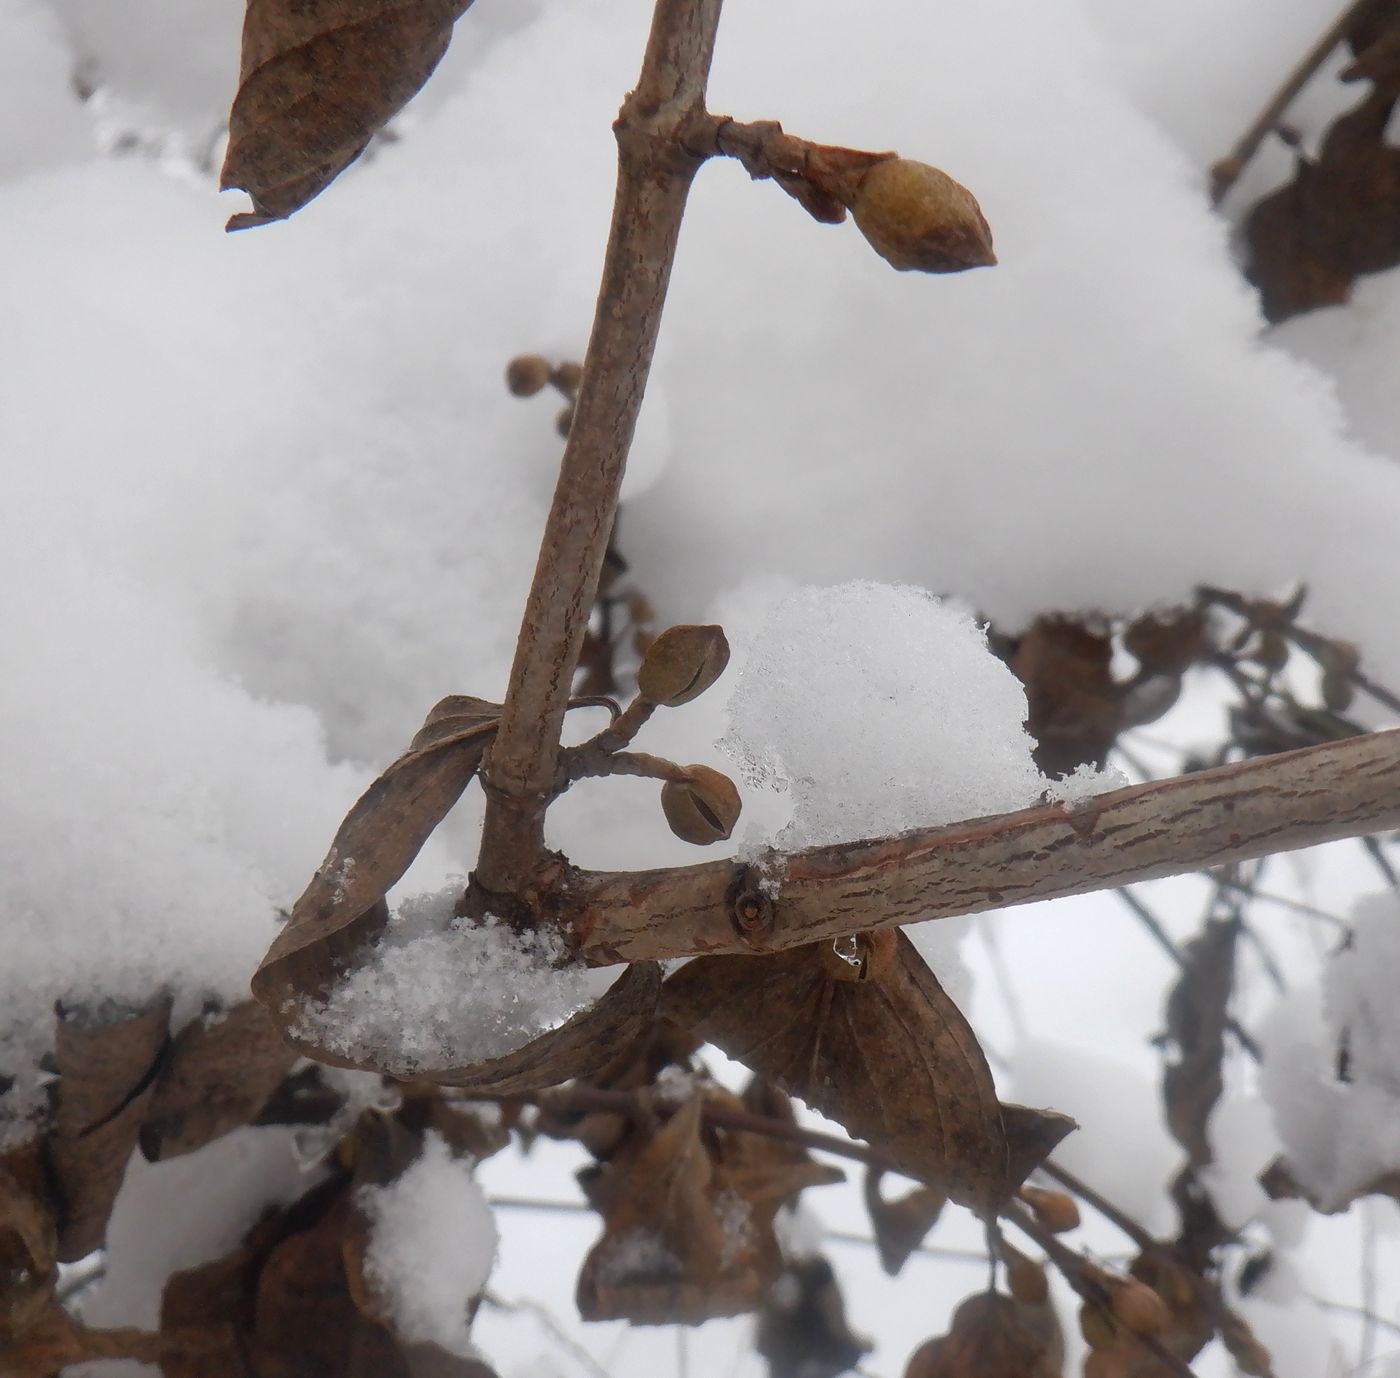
pixel 655 169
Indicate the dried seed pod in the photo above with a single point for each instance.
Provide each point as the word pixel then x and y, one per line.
pixel 563 423
pixel 917 217
pixel 1054 1209
pixel 682 663
pixel 1098 1327
pixel 527 374
pixel 1137 1306
pixel 703 808
pixel 1272 651
pixel 566 377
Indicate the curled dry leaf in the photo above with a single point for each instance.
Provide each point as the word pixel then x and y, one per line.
pixel 343 906
pixel 802 1327
pixel 28 1253
pixel 680 1245
pixel 107 1066
pixel 900 1223
pixel 318 79
pixel 1197 1014
pixel 893 1060
pixel 989 1335
pixel 220 1073
pixel 1074 709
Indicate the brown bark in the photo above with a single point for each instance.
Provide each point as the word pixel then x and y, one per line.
pixel 655 170
pixel 1269 804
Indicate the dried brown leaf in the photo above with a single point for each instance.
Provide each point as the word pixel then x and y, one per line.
pixel 988 1336
pixel 220 1073
pixel 1074 708
pixel 680 1245
pixel 1197 1014
pixel 28 1253
pixel 1338 218
pixel 900 1223
pixel 802 1329
pixel 107 1064
pixel 318 79
pixel 343 906
pixel 892 1059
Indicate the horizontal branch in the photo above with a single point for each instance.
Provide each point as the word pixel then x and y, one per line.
pixel 1163 828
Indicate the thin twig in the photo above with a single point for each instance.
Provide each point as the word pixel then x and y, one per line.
pixel 1228 170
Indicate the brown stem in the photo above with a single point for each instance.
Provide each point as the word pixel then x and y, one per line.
pixel 1167 827
pixel 1228 170
pixel 521 774
pixel 624 763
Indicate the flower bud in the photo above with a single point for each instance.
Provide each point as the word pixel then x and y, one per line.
pixel 917 217
pixel 703 808
pixel 1054 1210
pixel 527 374
pixel 681 664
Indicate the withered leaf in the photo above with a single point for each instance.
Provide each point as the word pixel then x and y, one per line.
pixel 107 1064
pixel 802 1327
pixel 28 1255
pixel 1338 218
pixel 1197 1013
pixel 893 1060
pixel 1074 708
pixel 680 1245
pixel 343 906
pixel 988 1336
pixel 221 1070
pixel 766 1171
pixel 900 1223
pixel 318 78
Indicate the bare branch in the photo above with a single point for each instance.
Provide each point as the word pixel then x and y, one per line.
pixel 1163 828
pixel 654 175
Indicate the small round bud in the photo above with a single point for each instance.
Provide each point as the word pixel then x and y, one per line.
pixel 1055 1210
pixel 703 808
pixel 917 217
pixel 563 423
pixel 527 374
pixel 682 663
pixel 566 377
pixel 1137 1306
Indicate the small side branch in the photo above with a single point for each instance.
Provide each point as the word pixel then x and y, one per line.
pixel 1163 828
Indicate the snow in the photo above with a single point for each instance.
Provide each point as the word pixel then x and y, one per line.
pixel 266 499
pixel 879 709
pixel 436 992
pixel 1332 1067
pixel 432 1245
